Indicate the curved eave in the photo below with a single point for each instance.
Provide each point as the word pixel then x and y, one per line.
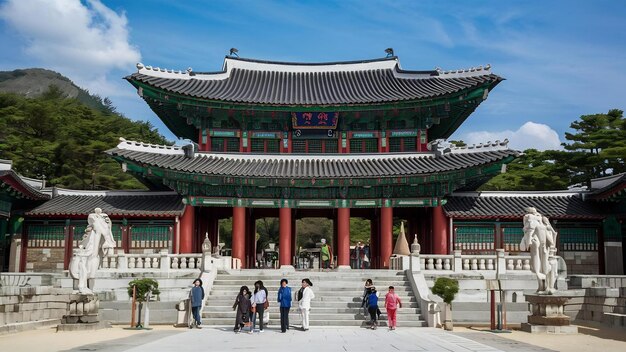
pixel 13 181
pixel 430 100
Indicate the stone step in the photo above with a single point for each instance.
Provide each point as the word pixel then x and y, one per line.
pixel 318 298
pixel 325 286
pixel 321 293
pixel 312 316
pixel 324 309
pixel 296 322
pixel 314 304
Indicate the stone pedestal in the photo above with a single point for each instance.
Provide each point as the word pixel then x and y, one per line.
pixel 547 315
pixel 82 313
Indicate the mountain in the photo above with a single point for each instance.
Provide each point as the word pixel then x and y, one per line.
pixel 51 128
pixel 33 82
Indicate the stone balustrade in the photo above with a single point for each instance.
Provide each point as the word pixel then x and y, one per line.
pixel 458 262
pixel 160 261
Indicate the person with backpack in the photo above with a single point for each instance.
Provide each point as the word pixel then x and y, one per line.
pixel 259 303
pixel 304 302
pixel 392 303
pixel 372 299
pixel 367 289
pixel 284 298
pixel 242 308
pixel 196 297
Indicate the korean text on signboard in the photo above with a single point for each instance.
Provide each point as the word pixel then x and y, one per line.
pixel 305 120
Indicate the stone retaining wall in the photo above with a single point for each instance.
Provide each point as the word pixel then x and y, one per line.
pixel 23 308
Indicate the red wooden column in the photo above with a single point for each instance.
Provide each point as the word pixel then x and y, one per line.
pixel 284 237
pixel 239 234
pixel 374 228
pixel 187 222
pixel 386 236
pixel 343 237
pixel 440 231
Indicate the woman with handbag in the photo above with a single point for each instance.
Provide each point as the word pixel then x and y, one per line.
pixel 305 303
pixel 242 308
pixel 259 303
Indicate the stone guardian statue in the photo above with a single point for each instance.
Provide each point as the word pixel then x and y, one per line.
pixel 97 242
pixel 540 239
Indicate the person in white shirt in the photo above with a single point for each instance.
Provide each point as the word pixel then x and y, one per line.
pixel 305 303
pixel 259 302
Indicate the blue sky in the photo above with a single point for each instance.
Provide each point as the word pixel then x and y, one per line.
pixel 561 59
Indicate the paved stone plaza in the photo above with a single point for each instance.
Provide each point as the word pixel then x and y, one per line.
pixel 167 338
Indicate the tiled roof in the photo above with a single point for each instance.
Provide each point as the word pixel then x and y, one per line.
pixel 27 187
pixel 114 203
pixel 608 187
pixel 276 83
pixel 309 166
pixel 511 205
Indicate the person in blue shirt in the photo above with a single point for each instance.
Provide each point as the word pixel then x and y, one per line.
pixel 284 298
pixel 373 307
pixel 196 297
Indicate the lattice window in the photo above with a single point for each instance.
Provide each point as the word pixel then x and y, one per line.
pixel 46 236
pixel 330 146
pixel 402 144
pixel 474 239
pixel 366 145
pixel 217 144
pixel 272 145
pixel 150 236
pixel 257 145
pixel 298 146
pixel 577 239
pixel 314 146
pixel 232 144
pixel 511 237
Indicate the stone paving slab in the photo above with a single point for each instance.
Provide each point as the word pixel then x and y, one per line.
pixel 318 339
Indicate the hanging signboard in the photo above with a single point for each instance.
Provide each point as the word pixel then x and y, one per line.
pixel 314 120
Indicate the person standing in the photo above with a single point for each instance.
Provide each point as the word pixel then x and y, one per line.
pixel 366 256
pixel 358 253
pixel 392 303
pixel 242 308
pixel 196 297
pixel 326 255
pixel 259 302
pixel 373 307
pixel 367 289
pixel 305 302
pixel 284 298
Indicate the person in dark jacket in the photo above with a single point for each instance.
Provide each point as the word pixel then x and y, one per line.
pixel 242 309
pixel 284 298
pixel 373 307
pixel 196 297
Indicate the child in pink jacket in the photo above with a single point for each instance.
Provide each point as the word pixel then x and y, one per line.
pixel 392 303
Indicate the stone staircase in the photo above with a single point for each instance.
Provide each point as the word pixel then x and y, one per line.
pixel 337 299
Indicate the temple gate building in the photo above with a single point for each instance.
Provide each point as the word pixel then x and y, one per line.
pixel 335 140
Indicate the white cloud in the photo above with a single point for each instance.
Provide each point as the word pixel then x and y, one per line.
pixel 84 41
pixel 529 135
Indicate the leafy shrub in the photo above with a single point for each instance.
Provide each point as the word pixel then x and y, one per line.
pixel 446 288
pixel 143 287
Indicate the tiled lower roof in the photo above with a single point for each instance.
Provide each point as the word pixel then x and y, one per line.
pixel 114 205
pixel 11 179
pixel 511 205
pixel 309 166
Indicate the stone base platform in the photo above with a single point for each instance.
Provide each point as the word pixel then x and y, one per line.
pixel 547 315
pixel 549 329
pixel 83 326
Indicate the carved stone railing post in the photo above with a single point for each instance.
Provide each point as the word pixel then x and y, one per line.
pixel 500 262
pixel 458 263
pixel 165 261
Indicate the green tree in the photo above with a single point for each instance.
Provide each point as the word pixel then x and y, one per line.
pixel 64 140
pixel 598 147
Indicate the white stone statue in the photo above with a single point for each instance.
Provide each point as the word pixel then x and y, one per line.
pixel 97 242
pixel 540 239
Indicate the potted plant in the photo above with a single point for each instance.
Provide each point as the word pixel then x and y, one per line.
pixel 144 288
pixel 446 288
